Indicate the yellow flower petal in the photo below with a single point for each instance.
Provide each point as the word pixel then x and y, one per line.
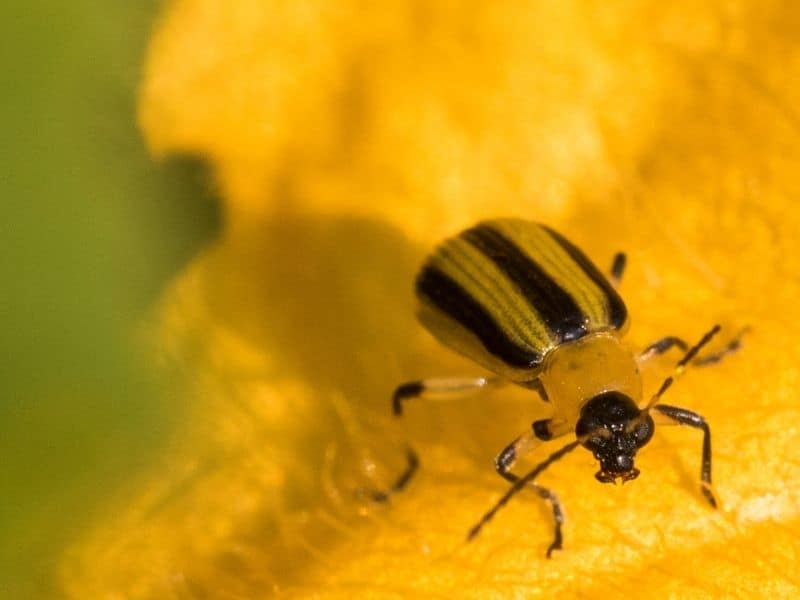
pixel 346 140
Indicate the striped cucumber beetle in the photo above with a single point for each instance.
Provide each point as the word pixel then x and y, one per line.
pixel 522 301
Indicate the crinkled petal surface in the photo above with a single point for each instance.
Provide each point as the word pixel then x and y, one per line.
pixel 347 138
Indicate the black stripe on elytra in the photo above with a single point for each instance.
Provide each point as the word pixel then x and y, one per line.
pixel 559 311
pixel 617 312
pixel 449 297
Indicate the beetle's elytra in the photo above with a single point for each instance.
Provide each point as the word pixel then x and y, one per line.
pixel 522 301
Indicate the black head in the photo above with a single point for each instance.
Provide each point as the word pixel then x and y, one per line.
pixel 616 429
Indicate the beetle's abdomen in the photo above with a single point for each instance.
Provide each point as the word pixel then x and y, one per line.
pixel 506 292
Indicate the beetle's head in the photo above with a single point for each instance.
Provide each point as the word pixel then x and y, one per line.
pixel 614 428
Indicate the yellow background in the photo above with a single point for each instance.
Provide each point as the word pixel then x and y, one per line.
pixel 345 141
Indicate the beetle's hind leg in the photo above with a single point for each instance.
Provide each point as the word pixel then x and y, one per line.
pixel 618 267
pixel 542 430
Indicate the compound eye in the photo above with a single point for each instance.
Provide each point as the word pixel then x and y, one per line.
pixel 586 426
pixel 644 431
pixel 598 439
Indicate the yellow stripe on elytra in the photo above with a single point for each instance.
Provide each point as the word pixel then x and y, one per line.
pixel 529 238
pixel 481 286
pixel 542 248
pixel 484 281
pixel 556 262
pixel 574 280
pixel 530 324
pixel 492 289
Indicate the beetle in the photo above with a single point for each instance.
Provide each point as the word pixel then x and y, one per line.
pixel 522 301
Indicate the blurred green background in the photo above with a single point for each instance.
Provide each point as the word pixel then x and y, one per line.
pixel 92 230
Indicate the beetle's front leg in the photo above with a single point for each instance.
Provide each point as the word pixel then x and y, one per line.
pixel 681 416
pixel 542 430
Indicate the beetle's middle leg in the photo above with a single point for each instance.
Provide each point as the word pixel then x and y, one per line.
pixel 542 430
pixel 443 387
pixel 667 343
pixel 663 345
pixel 440 388
pixel 412 464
